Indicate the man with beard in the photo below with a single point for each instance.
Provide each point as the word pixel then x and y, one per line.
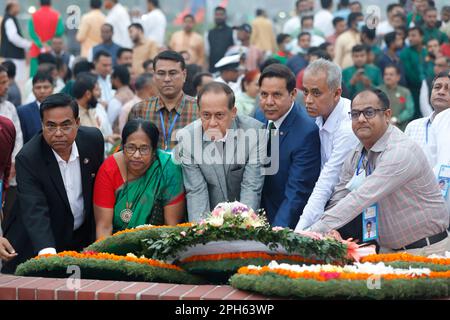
pixel 87 92
pixel 220 38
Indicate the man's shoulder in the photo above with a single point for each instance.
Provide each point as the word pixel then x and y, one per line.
pixel 246 122
pixel 24 109
pixel 302 121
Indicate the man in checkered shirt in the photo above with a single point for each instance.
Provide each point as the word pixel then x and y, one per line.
pixel 412 215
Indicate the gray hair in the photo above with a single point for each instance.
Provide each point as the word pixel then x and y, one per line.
pixel 331 69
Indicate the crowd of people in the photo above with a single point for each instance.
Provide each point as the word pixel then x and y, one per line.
pixel 333 125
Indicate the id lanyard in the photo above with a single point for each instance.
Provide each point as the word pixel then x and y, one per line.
pixel 426 130
pixel 369 171
pixel 169 133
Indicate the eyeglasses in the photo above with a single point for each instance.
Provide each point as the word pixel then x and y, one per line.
pixel 218 116
pixel 172 74
pixel 65 128
pixel 131 149
pixel 368 113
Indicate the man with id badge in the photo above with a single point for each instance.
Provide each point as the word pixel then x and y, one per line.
pixel 171 109
pixel 387 178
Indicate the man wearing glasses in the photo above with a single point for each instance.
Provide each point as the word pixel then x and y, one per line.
pixel 220 154
pixel 171 109
pixel 387 178
pixel 55 176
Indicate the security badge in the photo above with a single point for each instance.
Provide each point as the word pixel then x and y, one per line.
pixel 444 180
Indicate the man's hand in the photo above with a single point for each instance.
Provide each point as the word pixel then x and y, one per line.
pixel 7 252
pixel 334 234
pixel 366 81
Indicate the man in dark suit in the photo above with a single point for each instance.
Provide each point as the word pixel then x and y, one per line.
pixel 30 120
pixel 297 160
pixel 55 176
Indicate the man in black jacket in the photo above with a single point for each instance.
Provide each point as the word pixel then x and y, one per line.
pixel 220 38
pixel 55 176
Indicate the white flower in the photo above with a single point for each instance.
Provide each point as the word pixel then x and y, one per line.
pixel 215 221
pixel 183 233
pixel 131 255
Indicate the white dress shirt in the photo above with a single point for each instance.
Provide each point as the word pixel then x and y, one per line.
pixel 419 131
pixel 119 18
pixel 280 121
pixel 336 141
pixel 14 36
pixel 106 88
pixel 323 20
pixel 71 175
pixel 154 24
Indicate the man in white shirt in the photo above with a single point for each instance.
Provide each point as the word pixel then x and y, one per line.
pixel 13 44
pixel 389 25
pixel 419 130
pixel 154 22
pixel 322 94
pixel 103 68
pixel 292 26
pixel 323 19
pixel 119 18
pixel 55 173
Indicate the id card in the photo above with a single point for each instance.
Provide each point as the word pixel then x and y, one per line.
pixel 370 223
pixel 444 180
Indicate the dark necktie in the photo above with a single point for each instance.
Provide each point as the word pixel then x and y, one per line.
pixel 272 132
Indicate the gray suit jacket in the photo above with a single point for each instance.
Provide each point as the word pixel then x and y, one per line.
pixel 215 172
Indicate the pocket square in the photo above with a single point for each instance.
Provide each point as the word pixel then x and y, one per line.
pixel 92 175
pixel 86 161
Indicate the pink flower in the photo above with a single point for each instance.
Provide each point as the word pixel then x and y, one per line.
pixel 276 229
pixel 330 275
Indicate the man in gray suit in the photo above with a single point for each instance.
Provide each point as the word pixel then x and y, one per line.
pixel 220 154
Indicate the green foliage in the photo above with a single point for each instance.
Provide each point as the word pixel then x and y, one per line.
pixel 277 285
pixel 172 242
pixel 102 269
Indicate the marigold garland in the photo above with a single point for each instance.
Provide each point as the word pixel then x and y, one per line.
pixel 405 257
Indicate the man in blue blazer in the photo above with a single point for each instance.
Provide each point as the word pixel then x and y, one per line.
pixel 30 119
pixel 287 190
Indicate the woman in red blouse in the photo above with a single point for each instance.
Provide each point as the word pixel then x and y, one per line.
pixel 139 185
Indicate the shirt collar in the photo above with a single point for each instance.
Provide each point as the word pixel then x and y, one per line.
pixel 279 122
pixel 73 155
pixel 333 120
pixel 160 105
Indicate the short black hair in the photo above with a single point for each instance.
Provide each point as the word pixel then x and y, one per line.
pixel 170 55
pixel 389 38
pixel 217 87
pixel 325 4
pixel 154 2
pixel 396 67
pixel 10 68
pixel 416 28
pixel 430 9
pixel 109 25
pixel 148 127
pixel 59 100
pixel 122 73
pixel 137 26
pixel 46 2
pixel 359 48
pixel 369 223
pixel 281 37
pixel 101 53
pixel 219 8
pixel 278 70
pixel 188 16
pixel 260 12
pixel 46 58
pixel 198 78
pixel 392 6
pixel 320 53
pixel 352 18
pixel 370 33
pixel 96 4
pixel 147 62
pixel 85 82
pixel 303 33
pixel 82 66
pixel 121 51
pixel 267 63
pixel 304 18
pixel 337 20
pixel 142 80
pixel 43 77
pixel 47 68
pixel 381 95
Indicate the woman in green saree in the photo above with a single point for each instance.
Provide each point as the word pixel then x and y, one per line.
pixel 138 185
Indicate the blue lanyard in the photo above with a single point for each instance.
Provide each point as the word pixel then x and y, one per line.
pixel 369 171
pixel 426 131
pixel 169 134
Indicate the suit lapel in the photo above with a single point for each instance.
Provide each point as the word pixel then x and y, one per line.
pixel 232 138
pixel 287 123
pixel 55 173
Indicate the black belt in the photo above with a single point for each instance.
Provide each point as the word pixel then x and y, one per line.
pixel 425 241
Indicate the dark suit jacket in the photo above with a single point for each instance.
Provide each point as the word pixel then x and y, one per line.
pixel 30 120
pixel 41 216
pixel 286 193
